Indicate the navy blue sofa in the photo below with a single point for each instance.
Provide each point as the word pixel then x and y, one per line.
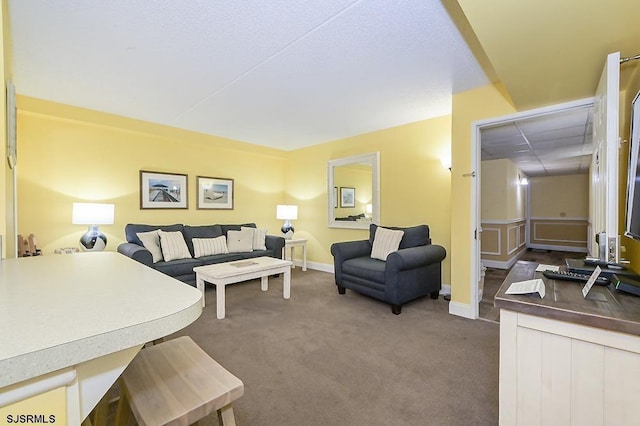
pixel 182 269
pixel 409 273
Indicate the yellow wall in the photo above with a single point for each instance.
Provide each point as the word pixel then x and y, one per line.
pixel 67 154
pixel 6 182
pixel 414 187
pixel 502 198
pixel 468 107
pixel 564 196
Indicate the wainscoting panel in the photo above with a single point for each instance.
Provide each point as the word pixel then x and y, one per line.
pixel 565 234
pixel 491 241
pixel 502 242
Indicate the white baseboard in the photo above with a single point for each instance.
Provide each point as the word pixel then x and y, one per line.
pixel 323 267
pixel 500 264
pixel 558 248
pixel 461 310
pixel 503 264
pixel 446 289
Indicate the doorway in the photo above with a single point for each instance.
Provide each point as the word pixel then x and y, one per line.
pixel 545 153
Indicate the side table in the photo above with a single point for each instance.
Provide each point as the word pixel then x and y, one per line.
pixel 290 247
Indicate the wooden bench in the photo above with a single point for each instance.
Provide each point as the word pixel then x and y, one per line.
pixel 176 382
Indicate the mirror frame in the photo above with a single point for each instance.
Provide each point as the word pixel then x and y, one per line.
pixel 374 160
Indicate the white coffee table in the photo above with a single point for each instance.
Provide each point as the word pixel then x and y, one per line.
pixel 221 274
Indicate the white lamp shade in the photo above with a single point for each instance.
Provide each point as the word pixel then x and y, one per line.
pixel 286 212
pixel 92 214
pixel 369 208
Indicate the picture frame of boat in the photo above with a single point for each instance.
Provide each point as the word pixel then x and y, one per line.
pixel 162 190
pixel 215 193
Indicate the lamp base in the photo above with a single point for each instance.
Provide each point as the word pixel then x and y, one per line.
pixel 93 240
pixel 287 230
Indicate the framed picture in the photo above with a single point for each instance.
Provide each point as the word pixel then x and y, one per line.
pixel 335 197
pixel 160 190
pixel 347 197
pixel 215 193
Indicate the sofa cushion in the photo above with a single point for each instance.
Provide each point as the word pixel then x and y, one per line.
pixel 203 231
pixel 259 235
pixel 219 258
pixel 131 229
pixel 178 267
pixel 240 241
pixel 365 268
pixel 386 241
pixel 414 236
pixel 257 253
pixel 173 246
pixel 209 246
pixel 151 241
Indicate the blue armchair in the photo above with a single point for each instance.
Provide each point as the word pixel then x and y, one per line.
pixel 413 271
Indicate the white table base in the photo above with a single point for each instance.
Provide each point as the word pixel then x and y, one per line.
pixel 290 248
pixel 220 275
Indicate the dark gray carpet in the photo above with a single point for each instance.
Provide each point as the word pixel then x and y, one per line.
pixel 325 359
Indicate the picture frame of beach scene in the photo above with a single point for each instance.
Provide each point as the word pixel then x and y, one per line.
pixel 215 193
pixel 161 190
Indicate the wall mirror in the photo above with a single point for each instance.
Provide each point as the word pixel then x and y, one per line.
pixel 354 191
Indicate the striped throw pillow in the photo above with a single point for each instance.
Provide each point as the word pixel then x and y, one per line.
pixel 209 246
pixel 151 241
pixel 259 236
pixel 385 241
pixel 173 246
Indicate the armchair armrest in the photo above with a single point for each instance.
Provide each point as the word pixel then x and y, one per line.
pixel 274 243
pixel 136 252
pixel 350 249
pixel 345 251
pixel 414 257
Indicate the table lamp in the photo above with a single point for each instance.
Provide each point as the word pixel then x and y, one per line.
pixel 287 213
pixel 93 214
pixel 368 210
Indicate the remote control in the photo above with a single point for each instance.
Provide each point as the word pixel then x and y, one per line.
pixel 574 276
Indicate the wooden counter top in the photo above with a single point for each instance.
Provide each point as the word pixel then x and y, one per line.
pixel 62 310
pixel 604 307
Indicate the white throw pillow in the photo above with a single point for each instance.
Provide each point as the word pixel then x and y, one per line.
pixel 173 246
pixel 240 241
pixel 209 246
pixel 385 241
pixel 259 235
pixel 151 241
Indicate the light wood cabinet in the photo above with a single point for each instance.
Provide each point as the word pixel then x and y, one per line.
pixel 566 359
pixel 560 373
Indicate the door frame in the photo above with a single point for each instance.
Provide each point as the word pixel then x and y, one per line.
pixel 476 142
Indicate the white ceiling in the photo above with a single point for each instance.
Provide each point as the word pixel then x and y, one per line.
pixel 555 144
pixel 280 73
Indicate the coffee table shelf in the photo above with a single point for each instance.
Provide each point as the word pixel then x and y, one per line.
pixel 221 274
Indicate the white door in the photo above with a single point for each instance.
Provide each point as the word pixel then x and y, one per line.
pixel 603 204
